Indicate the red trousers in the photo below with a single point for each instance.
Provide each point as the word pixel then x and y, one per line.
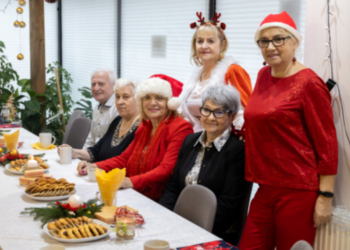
pixel 279 217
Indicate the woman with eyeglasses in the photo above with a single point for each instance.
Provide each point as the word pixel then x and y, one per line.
pixel 208 48
pixel 213 158
pixel 291 145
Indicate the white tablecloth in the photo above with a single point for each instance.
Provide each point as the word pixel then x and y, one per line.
pixel 22 232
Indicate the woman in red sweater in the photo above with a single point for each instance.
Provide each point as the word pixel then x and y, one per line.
pixel 291 146
pixel 150 158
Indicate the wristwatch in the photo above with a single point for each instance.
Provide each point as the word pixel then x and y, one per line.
pixel 325 194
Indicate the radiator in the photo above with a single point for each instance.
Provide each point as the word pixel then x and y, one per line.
pixel 335 235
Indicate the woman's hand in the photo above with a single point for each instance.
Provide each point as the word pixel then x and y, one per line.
pixel 82 168
pixel 126 183
pixel 63 145
pixel 323 210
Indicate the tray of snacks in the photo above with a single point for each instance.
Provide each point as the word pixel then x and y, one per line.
pixel 20 165
pixel 76 230
pixel 50 189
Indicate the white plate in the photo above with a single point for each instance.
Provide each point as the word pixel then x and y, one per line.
pixel 7 167
pixel 109 230
pixel 50 198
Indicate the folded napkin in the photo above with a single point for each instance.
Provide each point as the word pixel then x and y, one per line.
pixel 109 183
pixel 37 146
pixel 11 140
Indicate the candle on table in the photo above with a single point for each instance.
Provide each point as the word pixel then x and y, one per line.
pixel 32 163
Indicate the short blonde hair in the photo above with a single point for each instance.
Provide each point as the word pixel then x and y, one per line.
pixel 208 28
pixel 145 117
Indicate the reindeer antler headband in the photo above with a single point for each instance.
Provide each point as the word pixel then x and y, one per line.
pixel 215 22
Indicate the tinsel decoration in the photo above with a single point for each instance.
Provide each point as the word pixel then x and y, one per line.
pixel 59 210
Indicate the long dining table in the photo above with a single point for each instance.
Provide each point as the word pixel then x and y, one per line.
pixel 18 231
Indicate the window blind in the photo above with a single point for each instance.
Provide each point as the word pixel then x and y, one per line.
pixel 170 20
pixel 88 40
pixel 242 19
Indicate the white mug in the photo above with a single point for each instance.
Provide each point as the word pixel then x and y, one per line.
pixel 91 174
pixel 156 245
pixel 46 140
pixel 66 155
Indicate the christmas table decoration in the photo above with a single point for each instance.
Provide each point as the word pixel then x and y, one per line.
pixel 72 209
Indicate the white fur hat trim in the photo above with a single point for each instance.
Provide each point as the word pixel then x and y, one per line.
pixel 160 87
pixel 174 103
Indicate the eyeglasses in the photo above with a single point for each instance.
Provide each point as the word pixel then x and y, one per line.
pixel 277 41
pixel 217 113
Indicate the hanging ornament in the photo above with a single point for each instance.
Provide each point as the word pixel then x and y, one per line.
pixel 22 3
pixel 16 24
pixel 22 24
pixel 75 201
pixel 19 10
pixel 51 1
pixel 20 56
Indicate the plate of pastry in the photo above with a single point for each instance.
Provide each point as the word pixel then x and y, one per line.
pixel 18 170
pixel 76 230
pixel 16 166
pixel 50 189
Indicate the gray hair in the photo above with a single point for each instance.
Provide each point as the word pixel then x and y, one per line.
pixel 122 82
pixel 225 96
pixel 112 76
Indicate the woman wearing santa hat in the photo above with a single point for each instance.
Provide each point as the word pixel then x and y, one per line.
pixel 150 158
pixel 291 146
pixel 209 44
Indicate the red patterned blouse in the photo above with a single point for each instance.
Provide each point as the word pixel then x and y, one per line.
pixel 290 134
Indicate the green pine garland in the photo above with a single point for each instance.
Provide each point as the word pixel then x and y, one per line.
pixel 55 211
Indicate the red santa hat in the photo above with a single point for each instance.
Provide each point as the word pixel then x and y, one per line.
pixel 282 20
pixel 162 85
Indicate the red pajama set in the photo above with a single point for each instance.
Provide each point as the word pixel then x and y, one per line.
pixel 290 140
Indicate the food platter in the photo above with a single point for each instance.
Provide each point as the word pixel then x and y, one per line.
pixel 7 167
pixel 109 230
pixel 49 198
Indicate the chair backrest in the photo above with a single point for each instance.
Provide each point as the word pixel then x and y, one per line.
pixel 76 113
pixel 301 245
pixel 197 204
pixel 236 229
pixel 78 132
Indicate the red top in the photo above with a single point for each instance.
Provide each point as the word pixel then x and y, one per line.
pixel 163 158
pixel 290 135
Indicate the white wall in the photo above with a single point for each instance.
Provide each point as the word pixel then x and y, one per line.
pixel 315 53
